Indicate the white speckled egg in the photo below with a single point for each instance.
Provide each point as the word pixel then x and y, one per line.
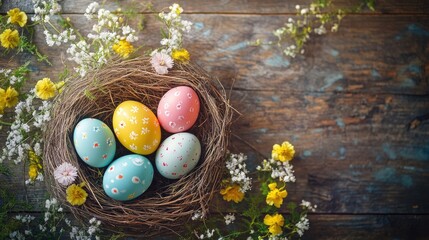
pixel 94 142
pixel 178 155
pixel 128 177
pixel 178 109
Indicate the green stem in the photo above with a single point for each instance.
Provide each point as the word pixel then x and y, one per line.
pixel 5 123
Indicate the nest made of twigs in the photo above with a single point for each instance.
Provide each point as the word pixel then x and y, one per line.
pixel 166 204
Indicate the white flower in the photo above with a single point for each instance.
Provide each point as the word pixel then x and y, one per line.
pixel 229 218
pixel 161 62
pixel 65 174
pixel 302 225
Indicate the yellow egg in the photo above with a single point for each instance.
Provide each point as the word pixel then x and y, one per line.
pixel 136 127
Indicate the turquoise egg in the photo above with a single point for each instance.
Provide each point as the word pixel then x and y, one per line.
pixel 128 177
pixel 94 142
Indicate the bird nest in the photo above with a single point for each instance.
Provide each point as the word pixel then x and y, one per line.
pixel 167 203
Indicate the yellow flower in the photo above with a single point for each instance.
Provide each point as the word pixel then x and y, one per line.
pixel 123 48
pixel 9 38
pixel 16 16
pixel 45 89
pixel 181 55
pixel 283 153
pixel 76 195
pixel 8 98
pixel 232 193
pixel 2 100
pixel 275 196
pixel 275 222
pixel 33 172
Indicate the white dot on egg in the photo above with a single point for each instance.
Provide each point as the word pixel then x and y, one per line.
pixel 166 105
pixel 191 109
pixel 177 93
pixel 172 124
pixel 167 113
pixel 189 95
pixel 112 181
pixel 107 186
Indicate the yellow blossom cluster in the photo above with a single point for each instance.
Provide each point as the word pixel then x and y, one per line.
pixel 284 152
pixel 46 89
pixel 123 48
pixel 76 195
pixel 8 98
pixel 9 38
pixel 181 55
pixel 35 165
pixel 275 196
pixel 232 193
pixel 275 223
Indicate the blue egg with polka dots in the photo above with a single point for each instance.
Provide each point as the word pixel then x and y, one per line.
pixel 94 142
pixel 128 177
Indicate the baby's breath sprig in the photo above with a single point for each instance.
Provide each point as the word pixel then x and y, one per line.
pixel 319 18
pixel 109 36
pixel 53 224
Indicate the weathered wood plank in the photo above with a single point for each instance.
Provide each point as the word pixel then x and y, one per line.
pixel 346 227
pixel 228 6
pixel 394 60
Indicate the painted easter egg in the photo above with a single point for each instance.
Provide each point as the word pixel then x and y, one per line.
pixel 127 177
pixel 178 155
pixel 178 109
pixel 94 142
pixel 136 127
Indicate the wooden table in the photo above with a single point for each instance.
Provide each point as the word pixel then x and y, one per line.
pixel 345 105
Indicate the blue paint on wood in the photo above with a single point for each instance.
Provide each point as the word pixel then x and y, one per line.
pixel 237 46
pixel 339 88
pixel 275 98
pixel 370 188
pixel 389 151
pixel 331 79
pixel 420 154
pixel 317 130
pixel 375 73
pixel 417 69
pixel 332 52
pixel 378 158
pixel 342 151
pixel 340 123
pixel 410 168
pixel 408 82
pixel 418 30
pixel 277 61
pixel 385 175
pixel 199 25
pixel 406 181
pixel 307 153
pixel 263 130
pixel 207 33
pixel 389 175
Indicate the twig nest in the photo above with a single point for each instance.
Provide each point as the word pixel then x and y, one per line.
pixel 167 203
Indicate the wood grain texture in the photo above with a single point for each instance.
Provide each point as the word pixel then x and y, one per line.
pixel 345 105
pixel 231 6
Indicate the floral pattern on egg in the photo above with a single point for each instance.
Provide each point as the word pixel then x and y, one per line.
pixel 94 142
pixel 128 177
pixel 136 127
pixel 178 109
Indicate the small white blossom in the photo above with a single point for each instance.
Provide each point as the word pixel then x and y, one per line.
pixel 229 218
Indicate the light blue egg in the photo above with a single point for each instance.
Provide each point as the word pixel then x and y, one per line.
pixel 94 142
pixel 128 177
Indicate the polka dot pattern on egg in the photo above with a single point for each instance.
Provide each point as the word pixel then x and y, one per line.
pixel 178 109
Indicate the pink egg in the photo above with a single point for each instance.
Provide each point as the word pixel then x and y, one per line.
pixel 178 109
